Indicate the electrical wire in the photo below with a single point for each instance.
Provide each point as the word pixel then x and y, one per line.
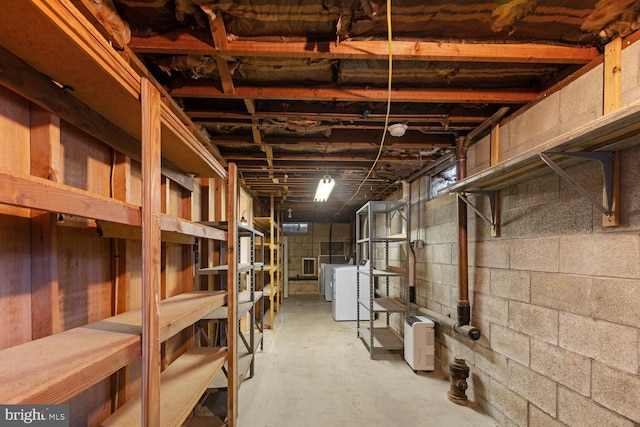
pixel 386 118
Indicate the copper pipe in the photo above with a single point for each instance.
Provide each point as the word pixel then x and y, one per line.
pixel 464 309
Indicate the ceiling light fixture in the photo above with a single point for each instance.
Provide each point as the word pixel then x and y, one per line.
pixel 398 129
pixel 289 212
pixel 325 187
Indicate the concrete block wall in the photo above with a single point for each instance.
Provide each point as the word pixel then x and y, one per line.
pixel 308 246
pixel 557 295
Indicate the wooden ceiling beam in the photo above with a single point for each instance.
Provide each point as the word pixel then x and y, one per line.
pixel 330 146
pixel 219 35
pixel 444 127
pixel 307 158
pixel 344 137
pixel 184 43
pixel 204 89
pixel 202 115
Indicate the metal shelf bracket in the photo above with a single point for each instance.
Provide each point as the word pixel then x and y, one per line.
pixel 493 205
pixel 606 159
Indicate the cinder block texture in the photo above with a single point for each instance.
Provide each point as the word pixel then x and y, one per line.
pixel 510 343
pixel 581 101
pixel 480 280
pixel 442 253
pixel 534 320
pixel 617 301
pixel 509 403
pixel 613 344
pixel 566 368
pixel 494 254
pixel 617 390
pixel 511 284
pixel 535 254
pixel 538 418
pixel 539 123
pixel 491 309
pixel 494 364
pixel 631 74
pixel 564 292
pixel 594 255
pixel 536 388
pixel 629 196
pixel 577 411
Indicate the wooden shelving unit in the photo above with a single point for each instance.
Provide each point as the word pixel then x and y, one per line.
pixel 68 70
pixel 272 264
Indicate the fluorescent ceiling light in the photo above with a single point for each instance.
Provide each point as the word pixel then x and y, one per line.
pixel 325 187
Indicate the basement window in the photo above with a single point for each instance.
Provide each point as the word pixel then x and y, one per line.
pixel 308 267
pixel 295 227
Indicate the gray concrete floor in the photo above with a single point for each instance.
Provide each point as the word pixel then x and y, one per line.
pixel 314 371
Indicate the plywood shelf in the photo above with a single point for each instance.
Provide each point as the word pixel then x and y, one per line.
pixel 615 131
pixel 73 360
pixel 177 312
pixel 243 308
pixel 181 385
pixel 37 193
pixel 53 369
pixel 172 229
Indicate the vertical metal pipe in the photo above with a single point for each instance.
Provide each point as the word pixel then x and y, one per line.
pixel 464 309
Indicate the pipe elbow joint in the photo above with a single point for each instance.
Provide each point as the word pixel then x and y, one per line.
pixel 471 332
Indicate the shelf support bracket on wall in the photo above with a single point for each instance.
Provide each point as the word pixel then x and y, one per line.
pixel 493 205
pixel 606 159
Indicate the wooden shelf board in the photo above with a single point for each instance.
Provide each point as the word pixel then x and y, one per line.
pixel 181 386
pixel 243 308
pixel 383 339
pixel 174 230
pixel 176 313
pixel 614 131
pixel 37 193
pixel 190 228
pixel 243 229
pixel 67 363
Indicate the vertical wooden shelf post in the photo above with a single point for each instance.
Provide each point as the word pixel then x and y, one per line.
pixel 612 102
pixel 232 291
pixel 45 163
pixel 151 206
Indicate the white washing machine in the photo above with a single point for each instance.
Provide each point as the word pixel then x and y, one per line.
pixel 326 279
pixel 345 298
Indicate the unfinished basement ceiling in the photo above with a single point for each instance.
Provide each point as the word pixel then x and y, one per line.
pixel 291 90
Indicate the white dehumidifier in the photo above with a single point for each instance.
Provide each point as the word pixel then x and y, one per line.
pixel 419 343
